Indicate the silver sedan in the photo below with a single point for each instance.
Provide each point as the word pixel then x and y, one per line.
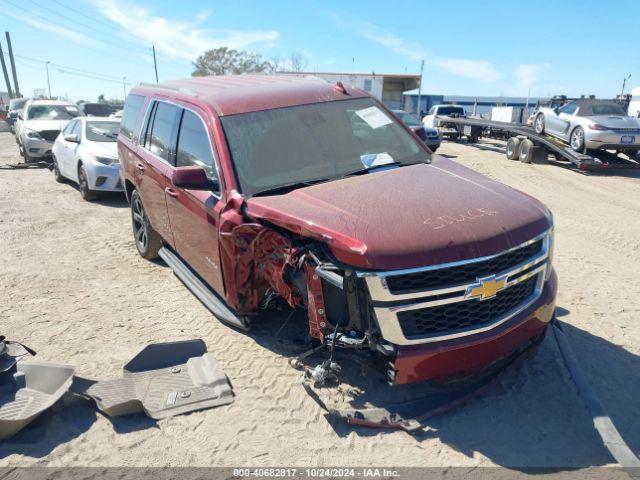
pixel 591 125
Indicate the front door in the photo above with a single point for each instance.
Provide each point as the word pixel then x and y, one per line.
pixel 153 164
pixel 195 214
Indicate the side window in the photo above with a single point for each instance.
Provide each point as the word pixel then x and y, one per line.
pixel 162 130
pixel 569 109
pixel 77 130
pixel 132 107
pixel 432 111
pixel 69 128
pixel 145 134
pixel 194 147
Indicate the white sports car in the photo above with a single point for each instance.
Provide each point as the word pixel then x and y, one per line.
pixel 591 125
pixel 86 152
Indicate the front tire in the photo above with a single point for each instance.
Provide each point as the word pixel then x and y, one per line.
pixel 83 183
pixel 56 172
pixel 539 124
pixel 148 242
pixel 576 140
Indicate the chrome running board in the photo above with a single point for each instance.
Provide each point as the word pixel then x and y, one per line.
pixel 208 298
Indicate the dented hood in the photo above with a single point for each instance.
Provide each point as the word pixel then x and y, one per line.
pixel 408 217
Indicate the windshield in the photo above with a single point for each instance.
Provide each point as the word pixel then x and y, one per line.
pixel 102 131
pixel 98 109
pixel 408 118
pixel 450 110
pixel 17 103
pixel 52 112
pixel 307 143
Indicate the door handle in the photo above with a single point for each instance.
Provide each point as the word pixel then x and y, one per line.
pixel 140 167
pixel 171 192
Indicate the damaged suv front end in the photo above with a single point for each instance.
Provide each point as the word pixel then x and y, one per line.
pixel 343 213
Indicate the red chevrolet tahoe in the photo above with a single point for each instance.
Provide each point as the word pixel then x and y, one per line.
pixel 257 187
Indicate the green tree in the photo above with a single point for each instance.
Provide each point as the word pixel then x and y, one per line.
pixel 226 61
pixel 101 98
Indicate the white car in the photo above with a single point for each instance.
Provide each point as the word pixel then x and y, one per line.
pixel 86 153
pixel 39 124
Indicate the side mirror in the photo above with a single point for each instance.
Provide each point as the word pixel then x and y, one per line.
pixel 72 137
pixel 20 116
pixel 557 110
pixel 193 178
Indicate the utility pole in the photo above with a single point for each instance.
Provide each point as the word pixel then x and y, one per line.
pixel 624 84
pixel 420 90
pixel 124 88
pixel 155 64
pixel 6 74
pixel 46 66
pixel 13 65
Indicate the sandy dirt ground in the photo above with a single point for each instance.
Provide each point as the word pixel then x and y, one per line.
pixel 73 288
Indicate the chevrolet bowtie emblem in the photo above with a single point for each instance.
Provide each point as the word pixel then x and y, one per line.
pixel 486 288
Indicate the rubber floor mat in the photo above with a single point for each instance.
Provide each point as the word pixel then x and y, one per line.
pixel 27 390
pixel 163 380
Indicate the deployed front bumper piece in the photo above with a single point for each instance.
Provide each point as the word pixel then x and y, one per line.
pixel 462 307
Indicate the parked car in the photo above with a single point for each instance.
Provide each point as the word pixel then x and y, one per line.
pixel 15 105
pixel 431 119
pixel 254 188
pixel 97 109
pixel 38 125
pixel 86 153
pixel 634 104
pixel 589 124
pixel 430 136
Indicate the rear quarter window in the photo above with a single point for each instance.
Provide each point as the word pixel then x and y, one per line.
pixel 130 115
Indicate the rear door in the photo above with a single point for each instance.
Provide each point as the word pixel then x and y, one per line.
pixel 195 214
pixel 153 163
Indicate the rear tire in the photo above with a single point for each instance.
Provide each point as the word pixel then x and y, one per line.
pixel 539 124
pixel 513 148
pixel 148 242
pixel 83 183
pixel 576 140
pixel 525 152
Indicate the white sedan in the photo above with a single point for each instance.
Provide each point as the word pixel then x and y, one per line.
pixel 86 152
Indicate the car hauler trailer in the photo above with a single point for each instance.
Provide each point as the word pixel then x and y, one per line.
pixel 525 144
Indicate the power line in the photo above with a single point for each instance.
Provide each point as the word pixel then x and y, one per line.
pixel 92 29
pixel 109 42
pixel 71 70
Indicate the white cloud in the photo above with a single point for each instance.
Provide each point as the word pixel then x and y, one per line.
pixel 51 28
pixel 528 75
pixel 181 39
pixel 480 70
pixel 388 40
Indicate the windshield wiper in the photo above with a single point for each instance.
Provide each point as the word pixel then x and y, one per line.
pixel 362 171
pixel 290 186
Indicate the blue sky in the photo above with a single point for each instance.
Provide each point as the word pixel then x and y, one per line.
pixel 470 47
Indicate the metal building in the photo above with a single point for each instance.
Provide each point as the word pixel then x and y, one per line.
pixel 386 87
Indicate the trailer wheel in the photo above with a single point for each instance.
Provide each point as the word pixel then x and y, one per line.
pixel 513 148
pixel 525 152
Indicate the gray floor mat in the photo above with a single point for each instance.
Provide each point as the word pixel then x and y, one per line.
pixel 163 380
pixel 27 390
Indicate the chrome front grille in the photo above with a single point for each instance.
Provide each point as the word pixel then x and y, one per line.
pixel 451 300
pixel 458 316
